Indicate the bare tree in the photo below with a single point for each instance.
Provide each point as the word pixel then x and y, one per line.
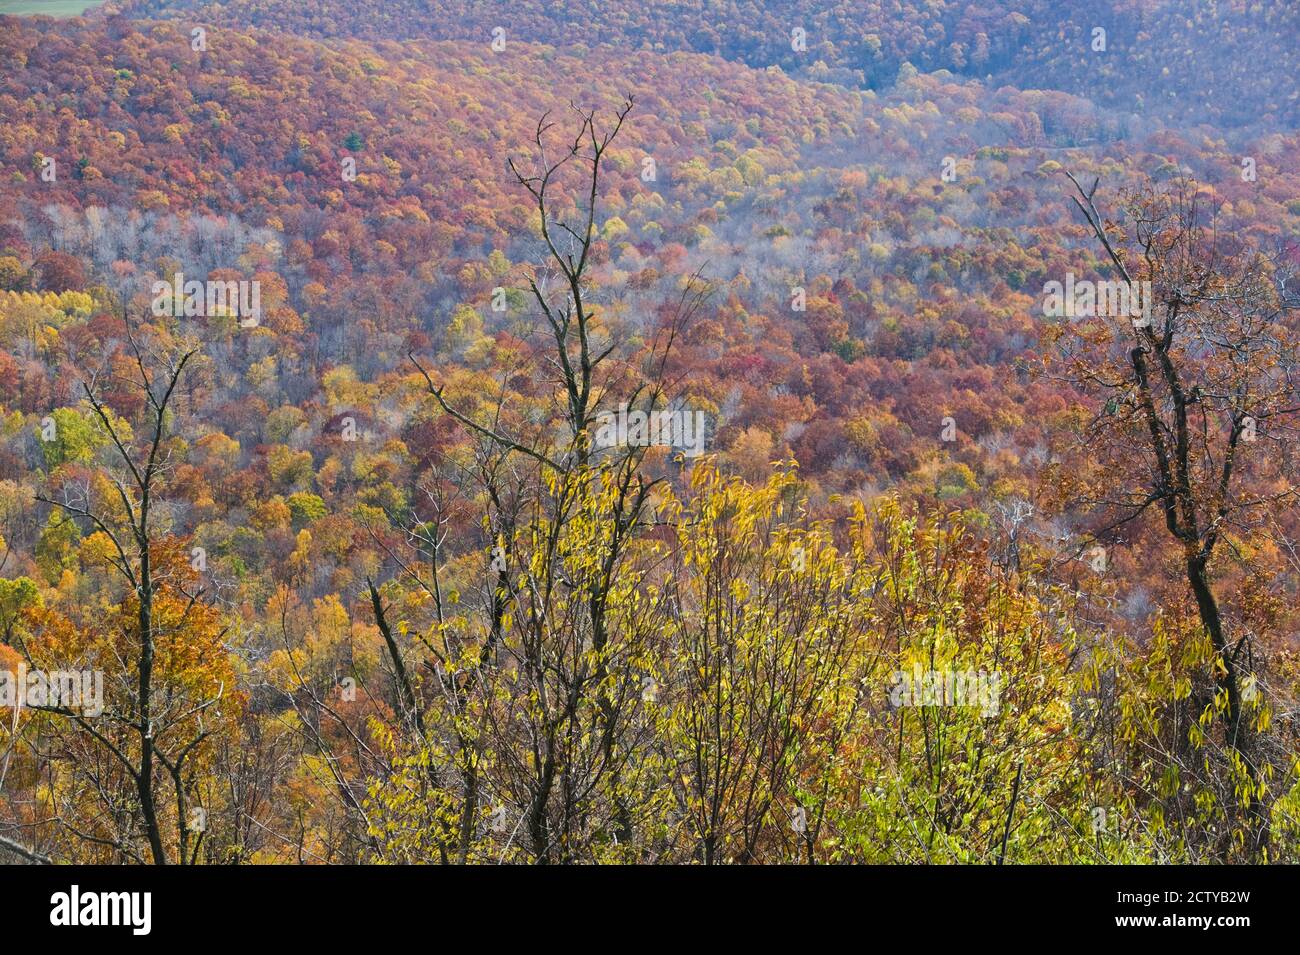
pixel 555 685
pixel 147 729
pixel 1197 397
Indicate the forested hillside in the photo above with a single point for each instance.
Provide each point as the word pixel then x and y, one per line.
pixel 646 434
pixel 1193 61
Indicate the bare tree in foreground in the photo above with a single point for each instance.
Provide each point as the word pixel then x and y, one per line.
pixel 1198 400
pixel 154 722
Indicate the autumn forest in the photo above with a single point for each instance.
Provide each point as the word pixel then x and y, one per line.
pixel 714 432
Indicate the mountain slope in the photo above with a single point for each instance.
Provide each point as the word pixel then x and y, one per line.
pixel 1191 62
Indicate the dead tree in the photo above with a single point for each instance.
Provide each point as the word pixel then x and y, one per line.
pixel 1191 391
pixel 146 732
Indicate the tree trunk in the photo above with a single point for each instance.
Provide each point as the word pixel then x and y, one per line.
pixel 144 779
pixel 1226 677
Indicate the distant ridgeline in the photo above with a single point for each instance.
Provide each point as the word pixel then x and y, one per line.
pixel 1190 61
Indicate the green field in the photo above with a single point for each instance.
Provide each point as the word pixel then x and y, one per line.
pixel 49 8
